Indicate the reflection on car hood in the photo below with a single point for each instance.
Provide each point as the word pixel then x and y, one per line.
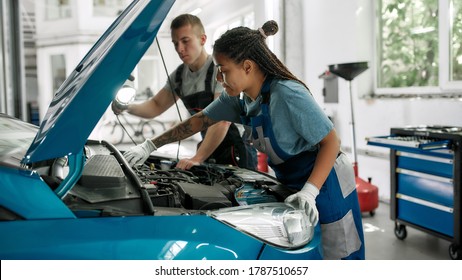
pixel 85 95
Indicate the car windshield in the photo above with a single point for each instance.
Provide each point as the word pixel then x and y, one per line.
pixel 15 139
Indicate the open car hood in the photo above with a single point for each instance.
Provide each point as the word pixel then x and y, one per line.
pixel 85 95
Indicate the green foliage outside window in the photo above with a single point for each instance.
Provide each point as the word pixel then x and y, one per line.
pixel 408 43
pixel 408 48
pixel 456 43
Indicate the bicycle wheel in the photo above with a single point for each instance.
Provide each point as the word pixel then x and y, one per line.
pixel 113 133
pixel 147 130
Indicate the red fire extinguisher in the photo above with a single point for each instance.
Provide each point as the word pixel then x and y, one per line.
pixel 262 162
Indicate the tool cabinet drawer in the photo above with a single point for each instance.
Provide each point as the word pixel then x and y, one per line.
pixel 424 214
pixel 408 142
pixel 431 188
pixel 433 165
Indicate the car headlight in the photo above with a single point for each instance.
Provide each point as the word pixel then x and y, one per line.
pixel 278 224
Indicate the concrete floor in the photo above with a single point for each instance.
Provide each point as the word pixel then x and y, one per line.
pixel 382 244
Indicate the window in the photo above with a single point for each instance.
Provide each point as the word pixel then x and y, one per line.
pixel 149 74
pixel 58 9
pixel 418 49
pixel 247 20
pixel 58 71
pixel 108 8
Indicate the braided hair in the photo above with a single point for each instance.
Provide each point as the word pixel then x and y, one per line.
pixel 242 43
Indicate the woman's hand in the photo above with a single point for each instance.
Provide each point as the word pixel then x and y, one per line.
pixel 306 200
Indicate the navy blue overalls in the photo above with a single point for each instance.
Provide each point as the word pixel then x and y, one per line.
pixel 337 202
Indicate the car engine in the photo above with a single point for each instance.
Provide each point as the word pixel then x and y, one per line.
pixel 109 187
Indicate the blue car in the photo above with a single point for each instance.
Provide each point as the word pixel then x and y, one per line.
pixel 63 196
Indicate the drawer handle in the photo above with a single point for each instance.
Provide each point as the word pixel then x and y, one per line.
pixel 424 175
pixel 424 157
pixel 424 203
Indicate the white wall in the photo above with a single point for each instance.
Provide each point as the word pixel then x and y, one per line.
pixel 72 37
pixel 341 31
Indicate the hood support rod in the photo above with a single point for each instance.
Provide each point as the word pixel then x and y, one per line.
pixel 76 162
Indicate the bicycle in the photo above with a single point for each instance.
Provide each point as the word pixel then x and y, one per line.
pixel 112 129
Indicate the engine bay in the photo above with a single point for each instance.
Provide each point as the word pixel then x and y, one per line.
pixel 108 186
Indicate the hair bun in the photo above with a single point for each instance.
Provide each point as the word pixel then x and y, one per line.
pixel 270 27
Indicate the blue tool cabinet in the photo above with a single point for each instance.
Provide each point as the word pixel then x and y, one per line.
pixel 425 168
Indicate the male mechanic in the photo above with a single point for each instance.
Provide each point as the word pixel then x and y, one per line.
pixel 194 82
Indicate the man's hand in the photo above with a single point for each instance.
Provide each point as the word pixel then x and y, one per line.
pixel 306 200
pixel 187 163
pixel 118 108
pixel 140 153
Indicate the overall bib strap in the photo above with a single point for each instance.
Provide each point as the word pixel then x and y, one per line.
pixel 197 101
pixel 263 137
pixel 178 80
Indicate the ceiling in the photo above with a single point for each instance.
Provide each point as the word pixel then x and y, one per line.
pixel 185 6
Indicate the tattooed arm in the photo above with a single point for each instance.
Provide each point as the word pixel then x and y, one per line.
pixel 183 130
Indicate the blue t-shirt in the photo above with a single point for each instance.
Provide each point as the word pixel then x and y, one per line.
pixel 299 123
